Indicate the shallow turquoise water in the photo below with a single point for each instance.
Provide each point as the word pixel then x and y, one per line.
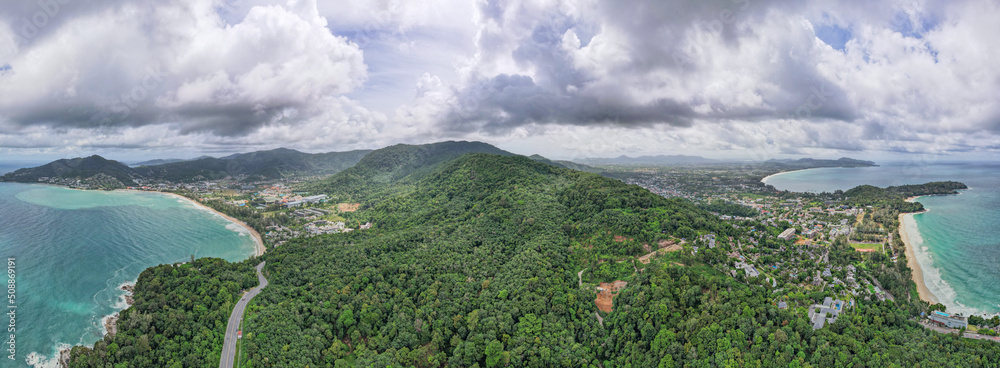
pixel 957 242
pixel 74 249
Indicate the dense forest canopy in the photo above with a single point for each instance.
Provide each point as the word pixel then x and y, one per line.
pixel 489 261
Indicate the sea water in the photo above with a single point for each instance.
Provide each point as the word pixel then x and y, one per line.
pixel 957 242
pixel 72 251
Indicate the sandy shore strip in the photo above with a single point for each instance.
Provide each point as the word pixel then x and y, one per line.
pixel 764 180
pixel 911 259
pixel 253 233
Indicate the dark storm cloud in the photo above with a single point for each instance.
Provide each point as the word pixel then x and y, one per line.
pixel 36 19
pixel 509 101
pixel 677 38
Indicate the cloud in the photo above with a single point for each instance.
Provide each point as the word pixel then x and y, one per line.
pixel 761 76
pixel 145 63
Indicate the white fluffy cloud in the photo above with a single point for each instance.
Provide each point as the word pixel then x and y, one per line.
pixel 561 77
pixel 176 63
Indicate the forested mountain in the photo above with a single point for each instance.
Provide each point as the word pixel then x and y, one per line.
pixel 397 165
pixel 273 164
pixel 94 168
pixel 161 161
pixel 893 197
pixel 485 261
pixel 566 164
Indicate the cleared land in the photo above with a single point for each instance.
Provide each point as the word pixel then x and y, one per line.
pixel 348 207
pixel 867 247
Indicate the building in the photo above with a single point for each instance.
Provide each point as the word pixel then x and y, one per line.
pixel 304 200
pixel 949 320
pixel 821 314
pixel 788 234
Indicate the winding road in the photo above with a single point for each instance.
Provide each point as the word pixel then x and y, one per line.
pixel 229 347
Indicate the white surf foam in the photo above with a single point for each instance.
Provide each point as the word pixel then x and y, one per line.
pixel 942 291
pixel 38 360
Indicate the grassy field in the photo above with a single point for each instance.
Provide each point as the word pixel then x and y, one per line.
pixel 876 247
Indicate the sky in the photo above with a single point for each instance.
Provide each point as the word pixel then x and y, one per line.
pixel 744 79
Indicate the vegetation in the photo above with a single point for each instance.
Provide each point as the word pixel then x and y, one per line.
pixel 730 209
pixel 178 318
pixel 892 198
pixel 96 170
pixel 277 163
pixel 475 260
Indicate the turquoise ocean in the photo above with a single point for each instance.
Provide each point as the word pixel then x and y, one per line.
pixel 73 250
pixel 957 242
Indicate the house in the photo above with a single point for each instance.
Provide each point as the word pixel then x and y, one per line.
pixel 821 314
pixel 782 305
pixel 788 234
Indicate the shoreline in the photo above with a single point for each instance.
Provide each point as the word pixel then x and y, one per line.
pixel 259 249
pixel 764 180
pixel 917 274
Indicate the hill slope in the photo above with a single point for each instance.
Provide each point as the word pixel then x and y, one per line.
pixel 397 164
pixel 94 170
pixel 272 164
pixel 566 164
pixel 490 261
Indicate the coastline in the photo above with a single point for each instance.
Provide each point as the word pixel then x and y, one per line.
pixel 259 250
pixel 911 258
pixel 764 180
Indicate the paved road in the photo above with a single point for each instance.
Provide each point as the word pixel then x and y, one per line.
pixel 229 347
pixel 968 335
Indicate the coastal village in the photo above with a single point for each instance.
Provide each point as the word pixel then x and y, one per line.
pixel 796 262
pixel 792 243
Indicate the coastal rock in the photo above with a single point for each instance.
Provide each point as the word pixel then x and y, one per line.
pixel 64 356
pixel 130 290
pixel 111 324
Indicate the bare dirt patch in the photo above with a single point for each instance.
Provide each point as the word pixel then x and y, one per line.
pixel 606 293
pixel 348 207
pixel 665 247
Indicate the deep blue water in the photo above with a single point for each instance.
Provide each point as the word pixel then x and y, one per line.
pixel 957 242
pixel 74 249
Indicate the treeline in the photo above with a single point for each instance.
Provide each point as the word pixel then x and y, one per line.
pixel 475 263
pixel 730 209
pixel 893 198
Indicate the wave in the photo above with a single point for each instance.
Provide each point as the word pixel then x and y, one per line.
pixel 935 283
pixel 38 360
pixel 238 228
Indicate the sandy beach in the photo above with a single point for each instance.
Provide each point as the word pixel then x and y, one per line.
pixel 911 260
pixel 764 180
pixel 253 233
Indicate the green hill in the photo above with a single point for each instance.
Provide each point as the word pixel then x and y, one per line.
pixel 566 164
pixel 491 261
pixel 399 164
pixel 94 170
pixel 273 164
